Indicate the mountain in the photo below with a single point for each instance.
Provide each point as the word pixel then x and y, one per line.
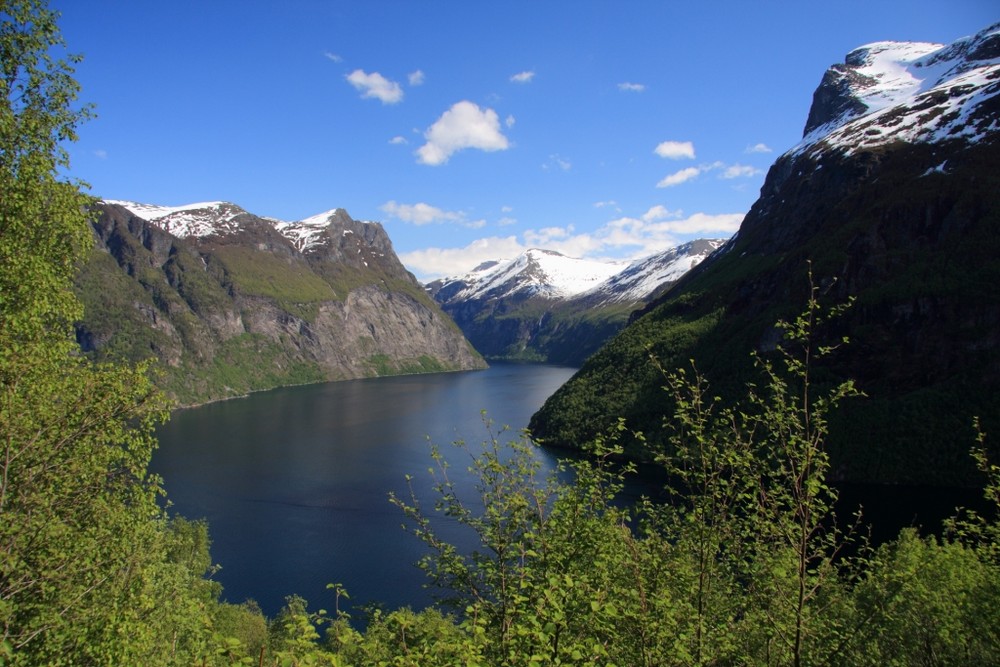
pixel 893 198
pixel 230 302
pixel 544 306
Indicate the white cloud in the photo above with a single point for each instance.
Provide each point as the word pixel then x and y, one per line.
pixel 464 125
pixel 431 263
pixel 425 214
pixel 654 231
pixel 650 233
pixel 602 204
pixel 659 212
pixel 398 140
pixel 740 171
pixel 101 154
pixel 523 77
pixel 758 148
pixel 628 87
pixel 546 236
pixel 506 221
pixel 706 224
pixel 419 213
pixel 558 162
pixel 333 56
pixel 506 209
pixel 679 177
pixel 416 78
pixel 375 85
pixel 509 121
pixel 675 150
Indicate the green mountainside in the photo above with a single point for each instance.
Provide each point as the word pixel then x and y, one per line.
pixel 243 309
pixel 915 245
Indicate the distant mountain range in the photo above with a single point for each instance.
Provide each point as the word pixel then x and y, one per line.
pixel 893 198
pixel 230 302
pixel 544 306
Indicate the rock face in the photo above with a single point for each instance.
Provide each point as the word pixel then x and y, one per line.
pixel 230 302
pixel 544 306
pixel 892 199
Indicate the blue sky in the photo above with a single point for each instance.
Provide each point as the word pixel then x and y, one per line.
pixel 471 130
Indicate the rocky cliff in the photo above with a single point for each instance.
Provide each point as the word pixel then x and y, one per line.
pixel 228 302
pixel 893 199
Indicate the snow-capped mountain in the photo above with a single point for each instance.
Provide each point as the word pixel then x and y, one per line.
pixel 232 302
pixel 649 277
pixel 219 218
pixel 537 272
pixel 200 219
pixel 907 91
pixel 891 202
pixel 545 305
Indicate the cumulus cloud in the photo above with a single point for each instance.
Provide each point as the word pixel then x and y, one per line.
pixel 419 213
pixel 377 86
pixel 523 77
pixel 464 125
pixel 333 56
pixel 425 214
pixel 679 177
pixel 739 171
pixel 675 150
pixel 758 148
pixel 416 77
pixel 431 263
pixel 628 87
pixel 398 140
pixel 655 230
pixel 659 212
pixel 651 233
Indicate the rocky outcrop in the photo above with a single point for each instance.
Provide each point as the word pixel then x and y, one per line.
pixel 244 306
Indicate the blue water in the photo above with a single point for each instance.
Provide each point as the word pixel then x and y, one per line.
pixel 294 482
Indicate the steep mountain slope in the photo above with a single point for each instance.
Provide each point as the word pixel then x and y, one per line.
pixel 544 306
pixel 894 197
pixel 230 302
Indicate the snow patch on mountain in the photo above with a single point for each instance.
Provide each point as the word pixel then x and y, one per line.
pixel 551 275
pixel 308 233
pixel 912 92
pixel 200 219
pixel 219 218
pixel 643 277
pixel 538 273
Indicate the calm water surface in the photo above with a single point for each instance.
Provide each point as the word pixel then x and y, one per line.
pixel 294 482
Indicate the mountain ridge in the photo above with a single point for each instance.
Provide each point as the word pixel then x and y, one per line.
pixel 234 302
pixel 545 306
pixel 864 202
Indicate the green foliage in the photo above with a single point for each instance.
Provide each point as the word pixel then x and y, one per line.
pixel 91 571
pixel 241 364
pixel 745 564
pixel 927 602
pixel 292 284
